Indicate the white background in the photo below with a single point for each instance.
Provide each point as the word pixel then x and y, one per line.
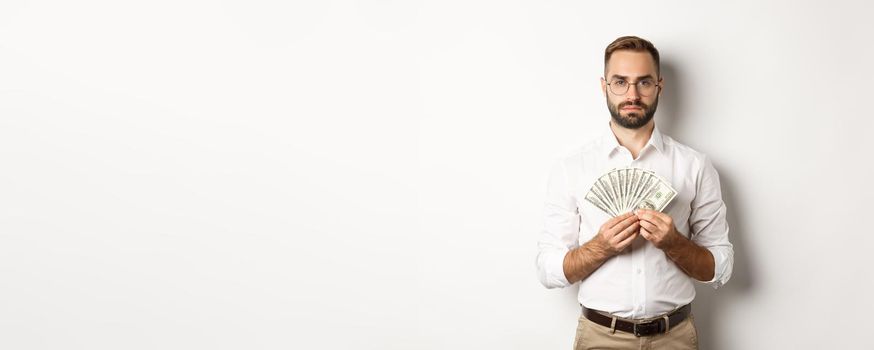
pixel 371 174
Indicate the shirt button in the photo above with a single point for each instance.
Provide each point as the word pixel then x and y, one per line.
pixel 638 271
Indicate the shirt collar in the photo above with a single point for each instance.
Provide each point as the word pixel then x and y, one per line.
pixel 610 143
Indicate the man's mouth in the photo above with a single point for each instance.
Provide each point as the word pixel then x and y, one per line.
pixel 631 106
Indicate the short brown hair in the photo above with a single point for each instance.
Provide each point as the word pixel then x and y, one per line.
pixel 631 43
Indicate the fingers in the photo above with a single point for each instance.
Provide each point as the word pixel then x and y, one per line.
pixel 654 232
pixel 615 220
pixel 622 225
pixel 617 224
pixel 619 232
pixel 648 215
pixel 627 232
pixel 649 226
pixel 628 240
pixel 658 218
pixel 623 238
pixel 646 233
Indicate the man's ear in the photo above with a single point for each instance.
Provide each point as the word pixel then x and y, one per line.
pixel 604 87
pixel 661 85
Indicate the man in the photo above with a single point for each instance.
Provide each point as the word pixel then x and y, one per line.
pixel 636 270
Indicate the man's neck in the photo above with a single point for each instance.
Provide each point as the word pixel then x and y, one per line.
pixel 633 139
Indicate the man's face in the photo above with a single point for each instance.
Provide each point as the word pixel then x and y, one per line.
pixel 631 110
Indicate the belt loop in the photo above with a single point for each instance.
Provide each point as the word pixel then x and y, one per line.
pixel 667 323
pixel 613 325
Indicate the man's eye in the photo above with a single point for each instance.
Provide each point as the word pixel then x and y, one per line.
pixel 620 83
pixel 646 83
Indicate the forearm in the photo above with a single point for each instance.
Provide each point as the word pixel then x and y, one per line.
pixel 581 262
pixel 694 260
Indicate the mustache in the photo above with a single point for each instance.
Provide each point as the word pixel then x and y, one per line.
pixel 633 103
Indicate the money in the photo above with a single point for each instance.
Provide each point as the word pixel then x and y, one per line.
pixel 622 190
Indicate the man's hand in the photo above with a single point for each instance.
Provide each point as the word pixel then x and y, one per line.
pixel 613 237
pixel 658 228
pixel 617 233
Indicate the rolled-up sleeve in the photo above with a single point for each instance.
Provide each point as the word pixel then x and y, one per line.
pixel 560 231
pixel 708 224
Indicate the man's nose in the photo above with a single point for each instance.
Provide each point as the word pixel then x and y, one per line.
pixel 632 93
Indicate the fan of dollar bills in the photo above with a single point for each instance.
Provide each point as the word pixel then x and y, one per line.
pixel 625 189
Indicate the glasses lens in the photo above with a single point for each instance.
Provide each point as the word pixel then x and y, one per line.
pixel 619 87
pixel 646 87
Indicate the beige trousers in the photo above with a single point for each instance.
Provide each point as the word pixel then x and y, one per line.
pixel 591 335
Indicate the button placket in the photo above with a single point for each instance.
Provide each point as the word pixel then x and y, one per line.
pixel 640 282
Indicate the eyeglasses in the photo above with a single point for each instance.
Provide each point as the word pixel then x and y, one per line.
pixel 645 87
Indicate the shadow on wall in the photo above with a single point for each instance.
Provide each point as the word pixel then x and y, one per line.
pixel 709 304
pixel 670 110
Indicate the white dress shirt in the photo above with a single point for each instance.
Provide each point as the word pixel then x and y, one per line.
pixel 641 282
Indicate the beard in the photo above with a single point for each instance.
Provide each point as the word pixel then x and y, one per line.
pixel 634 120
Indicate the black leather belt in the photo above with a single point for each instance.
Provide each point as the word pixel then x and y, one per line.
pixel 642 329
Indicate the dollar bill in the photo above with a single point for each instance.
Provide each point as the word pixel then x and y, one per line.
pixel 659 197
pixel 621 190
pixel 598 202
